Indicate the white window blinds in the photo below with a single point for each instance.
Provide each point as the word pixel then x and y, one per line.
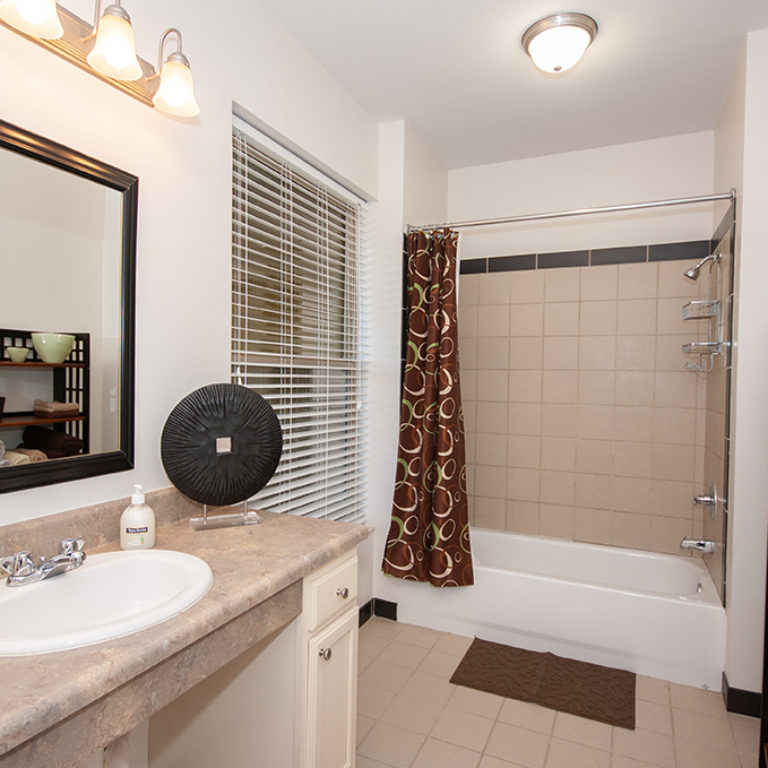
pixel 296 328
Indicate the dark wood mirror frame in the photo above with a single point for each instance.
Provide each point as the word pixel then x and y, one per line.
pixel 89 465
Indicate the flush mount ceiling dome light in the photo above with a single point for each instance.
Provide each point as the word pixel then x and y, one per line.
pixel 557 43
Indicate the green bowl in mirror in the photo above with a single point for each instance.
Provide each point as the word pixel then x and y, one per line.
pixel 53 347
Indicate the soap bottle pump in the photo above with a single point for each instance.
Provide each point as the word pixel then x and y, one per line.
pixel 137 523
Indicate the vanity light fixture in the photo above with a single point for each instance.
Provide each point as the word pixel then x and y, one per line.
pixel 114 53
pixel 176 94
pixel 39 18
pixel 557 43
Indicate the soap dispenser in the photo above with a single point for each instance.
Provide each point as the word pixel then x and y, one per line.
pixel 137 523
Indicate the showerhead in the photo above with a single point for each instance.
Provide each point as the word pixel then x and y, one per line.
pixel 693 272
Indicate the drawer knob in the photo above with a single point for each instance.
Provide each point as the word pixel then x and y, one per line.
pixel 343 592
pixel 326 653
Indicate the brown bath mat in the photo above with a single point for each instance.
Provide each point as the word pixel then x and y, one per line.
pixel 576 687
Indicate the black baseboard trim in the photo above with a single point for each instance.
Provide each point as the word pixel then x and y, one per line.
pixel 377 607
pixel 739 701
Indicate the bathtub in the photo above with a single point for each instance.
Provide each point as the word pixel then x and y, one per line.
pixel 654 614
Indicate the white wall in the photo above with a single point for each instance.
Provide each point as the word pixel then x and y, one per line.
pixel 184 171
pixel 742 161
pixel 677 166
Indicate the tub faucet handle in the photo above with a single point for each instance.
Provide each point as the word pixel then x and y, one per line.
pixel 699 545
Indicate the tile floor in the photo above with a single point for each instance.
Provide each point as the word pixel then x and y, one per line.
pixel 410 716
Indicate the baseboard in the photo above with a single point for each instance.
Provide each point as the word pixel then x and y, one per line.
pixel 739 701
pixel 377 607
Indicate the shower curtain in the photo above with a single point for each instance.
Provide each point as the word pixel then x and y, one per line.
pixel 429 533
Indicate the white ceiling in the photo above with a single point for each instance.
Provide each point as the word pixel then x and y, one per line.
pixel 455 69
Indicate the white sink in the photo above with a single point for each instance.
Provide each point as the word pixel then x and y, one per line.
pixel 110 595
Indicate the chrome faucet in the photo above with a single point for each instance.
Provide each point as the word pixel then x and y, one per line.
pixel 698 545
pixel 21 568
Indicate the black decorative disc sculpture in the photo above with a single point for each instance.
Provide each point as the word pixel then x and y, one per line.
pixel 221 444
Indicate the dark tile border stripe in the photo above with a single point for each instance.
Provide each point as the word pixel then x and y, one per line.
pixel 562 259
pixel 625 255
pixel 473 266
pixel 512 263
pixel 695 249
pixel 739 701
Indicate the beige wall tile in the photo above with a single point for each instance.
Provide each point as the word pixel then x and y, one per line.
pixel 523 516
pixel 593 491
pixel 599 283
pixel 491 417
pixel 468 289
pixel 491 450
pixel 492 385
pixel 670 318
pixel 638 281
pixel 561 353
pixel 635 353
pixel 467 352
pixel 632 459
pixel 557 487
pixel 669 353
pixel 560 420
pixel 631 494
pixel 631 530
pixel 523 451
pixel 524 419
pixel 596 422
pixel 594 456
pixel 597 353
pixel 490 513
pixel 672 282
pixel 561 318
pixel 598 318
pixel 597 387
pixel 490 482
pixel 558 453
pixel 561 284
pixel 525 320
pixel 674 425
pixel 667 533
pixel 633 423
pixel 526 286
pixel 492 354
pixel 493 320
pixel 525 386
pixel 633 387
pixel 560 387
pixel 467 321
pixel 525 353
pixel 592 525
pixel 557 521
pixel 468 385
pixel 636 317
pixel 494 289
pixel 673 462
pixel 523 484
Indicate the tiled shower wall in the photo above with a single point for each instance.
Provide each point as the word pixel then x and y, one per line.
pixel 582 420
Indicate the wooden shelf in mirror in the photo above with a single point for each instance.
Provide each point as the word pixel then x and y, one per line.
pixel 35 364
pixel 28 419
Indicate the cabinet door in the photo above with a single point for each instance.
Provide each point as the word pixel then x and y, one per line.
pixel 332 705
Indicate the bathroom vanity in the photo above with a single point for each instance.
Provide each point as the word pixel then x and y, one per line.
pixel 260 671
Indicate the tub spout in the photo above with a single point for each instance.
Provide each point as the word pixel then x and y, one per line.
pixel 698 545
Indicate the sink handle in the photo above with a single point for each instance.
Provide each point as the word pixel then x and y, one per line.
pixel 69 546
pixel 21 564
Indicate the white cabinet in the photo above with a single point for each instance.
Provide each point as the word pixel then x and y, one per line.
pixel 328 666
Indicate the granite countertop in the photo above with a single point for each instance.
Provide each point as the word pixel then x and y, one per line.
pixel 250 564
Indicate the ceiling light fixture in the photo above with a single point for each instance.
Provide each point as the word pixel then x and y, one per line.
pixel 176 94
pixel 38 18
pixel 114 53
pixel 557 43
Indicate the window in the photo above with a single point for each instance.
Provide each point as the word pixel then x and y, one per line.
pixel 296 328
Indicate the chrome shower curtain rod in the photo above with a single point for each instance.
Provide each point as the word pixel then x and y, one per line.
pixel 578 212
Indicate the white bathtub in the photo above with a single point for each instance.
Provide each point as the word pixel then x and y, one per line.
pixel 654 614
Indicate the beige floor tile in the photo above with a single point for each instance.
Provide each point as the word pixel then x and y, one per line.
pixel 583 731
pixel 363 662
pixel 364 724
pixel 412 714
pixel 439 754
pixel 653 748
pixel 704 729
pixel 382 627
pixel 566 754
pixel 747 761
pixel 391 745
pixel 746 732
pixel 421 636
pixel 372 645
pixel 372 701
pixel 653 717
pixel 691 754
pixel 462 729
pixel 527 715
pixel 493 762
pixel 366 762
pixel 404 654
pixel 430 688
pixel 475 702
pixel 697 700
pixel 526 748
pixel 652 689
pixel 457 645
pixel 386 675
pixel 619 761
pixel 440 664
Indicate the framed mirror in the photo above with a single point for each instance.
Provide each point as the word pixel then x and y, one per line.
pixel 68 267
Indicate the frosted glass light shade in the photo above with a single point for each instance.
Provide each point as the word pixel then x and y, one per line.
pixel 38 18
pixel 176 94
pixel 114 53
pixel 557 43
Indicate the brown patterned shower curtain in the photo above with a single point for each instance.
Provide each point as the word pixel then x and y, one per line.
pixel 429 533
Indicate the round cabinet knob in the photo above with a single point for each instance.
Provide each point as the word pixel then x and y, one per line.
pixel 326 653
pixel 343 592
